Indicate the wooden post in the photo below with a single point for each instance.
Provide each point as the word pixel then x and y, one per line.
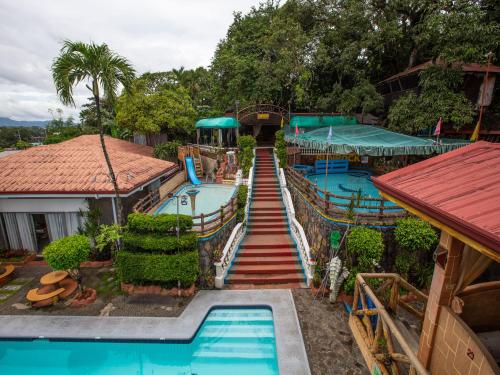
pixel 202 219
pixel 381 209
pixel 221 216
pixel 327 201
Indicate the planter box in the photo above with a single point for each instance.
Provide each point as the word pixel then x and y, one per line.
pixel 26 259
pixel 97 263
pixel 158 290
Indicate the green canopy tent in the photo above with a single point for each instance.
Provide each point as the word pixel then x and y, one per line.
pixel 370 140
pixel 320 121
pixel 219 123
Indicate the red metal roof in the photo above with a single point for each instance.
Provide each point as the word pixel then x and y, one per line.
pixel 78 166
pixel 460 189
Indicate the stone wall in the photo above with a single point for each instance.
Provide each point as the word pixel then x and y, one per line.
pixel 214 243
pixel 318 228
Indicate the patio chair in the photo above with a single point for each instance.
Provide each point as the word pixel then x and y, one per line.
pixel 44 296
pixel 7 273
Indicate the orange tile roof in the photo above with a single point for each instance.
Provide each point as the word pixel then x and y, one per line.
pixel 78 166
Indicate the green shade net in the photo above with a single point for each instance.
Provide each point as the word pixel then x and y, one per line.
pixel 319 121
pixel 370 140
pixel 217 123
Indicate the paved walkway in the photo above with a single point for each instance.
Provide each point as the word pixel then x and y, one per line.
pixel 292 357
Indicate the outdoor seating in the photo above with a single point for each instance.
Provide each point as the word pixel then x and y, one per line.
pixel 70 287
pixel 6 272
pixel 44 296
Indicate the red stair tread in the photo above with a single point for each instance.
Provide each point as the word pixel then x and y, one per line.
pixel 265 278
pixel 258 259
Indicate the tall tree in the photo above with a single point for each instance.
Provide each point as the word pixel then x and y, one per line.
pixel 104 71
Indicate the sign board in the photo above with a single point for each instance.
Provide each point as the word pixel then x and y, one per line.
pixel 262 116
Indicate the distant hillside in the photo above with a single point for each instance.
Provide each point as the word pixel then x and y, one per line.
pixel 4 121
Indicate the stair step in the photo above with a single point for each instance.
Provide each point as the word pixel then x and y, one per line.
pixel 270 269
pixel 262 259
pixel 260 232
pixel 271 219
pixel 264 248
pixel 265 278
pixel 275 214
pixel 266 199
pixel 283 226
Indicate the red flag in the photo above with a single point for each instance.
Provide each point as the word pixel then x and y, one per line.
pixel 438 127
pixel 296 130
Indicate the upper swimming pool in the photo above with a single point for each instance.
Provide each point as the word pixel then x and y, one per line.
pixel 230 341
pixel 210 198
pixel 349 183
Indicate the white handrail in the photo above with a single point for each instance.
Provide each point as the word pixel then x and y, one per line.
pixel 239 231
pixel 298 233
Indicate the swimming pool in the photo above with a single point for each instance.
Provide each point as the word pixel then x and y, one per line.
pixel 209 199
pixel 230 341
pixel 347 184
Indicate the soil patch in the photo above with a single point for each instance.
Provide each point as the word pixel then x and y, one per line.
pixel 330 347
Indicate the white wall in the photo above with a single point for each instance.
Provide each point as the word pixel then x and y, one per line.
pixel 43 205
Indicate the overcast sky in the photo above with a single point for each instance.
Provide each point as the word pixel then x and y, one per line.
pixel 155 35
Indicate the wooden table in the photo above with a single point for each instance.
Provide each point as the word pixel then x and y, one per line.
pixel 53 277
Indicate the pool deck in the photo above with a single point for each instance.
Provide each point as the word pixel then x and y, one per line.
pixel 292 357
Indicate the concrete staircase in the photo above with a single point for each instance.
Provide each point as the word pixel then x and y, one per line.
pixel 267 256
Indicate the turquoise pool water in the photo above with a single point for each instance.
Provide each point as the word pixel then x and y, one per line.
pixel 209 199
pixel 347 184
pixel 230 341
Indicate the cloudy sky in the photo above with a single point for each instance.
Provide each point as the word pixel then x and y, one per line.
pixel 153 34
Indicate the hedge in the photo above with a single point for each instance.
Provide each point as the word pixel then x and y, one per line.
pixel 68 252
pixel 160 224
pixel 159 244
pixel 139 268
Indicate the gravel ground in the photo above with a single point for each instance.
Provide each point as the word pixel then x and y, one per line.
pixel 108 291
pixel 330 347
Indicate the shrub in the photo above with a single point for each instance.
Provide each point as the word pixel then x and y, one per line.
pixel 414 235
pixel 280 146
pixel 159 244
pixel 167 150
pixel 242 196
pixel 159 224
pixel 246 141
pixel 68 252
pixel 139 268
pixel 367 246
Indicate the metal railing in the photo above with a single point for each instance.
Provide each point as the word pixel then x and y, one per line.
pixel 378 212
pixel 372 320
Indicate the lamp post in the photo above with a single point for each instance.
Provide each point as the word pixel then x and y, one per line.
pixel 171 196
pixel 192 196
pixel 237 104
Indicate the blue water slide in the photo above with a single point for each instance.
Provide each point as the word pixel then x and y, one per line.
pixel 191 170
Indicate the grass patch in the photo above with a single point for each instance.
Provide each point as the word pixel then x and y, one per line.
pixel 108 285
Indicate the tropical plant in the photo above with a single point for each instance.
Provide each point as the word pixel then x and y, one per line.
pixel 167 150
pixel 280 146
pixel 108 238
pixel 367 247
pixel 246 144
pixel 68 253
pixel 415 235
pixel 22 145
pixel 104 71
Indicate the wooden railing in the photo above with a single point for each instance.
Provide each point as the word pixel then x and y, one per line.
pixel 379 212
pixel 373 321
pixel 149 201
pixel 209 222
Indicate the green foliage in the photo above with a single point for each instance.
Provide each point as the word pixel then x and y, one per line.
pixel 280 146
pixel 242 200
pixel 153 243
pixel 246 141
pixel 9 135
pixel 415 235
pixel 350 281
pixel 22 145
pixel 164 269
pixel 367 246
pixel 167 150
pixel 404 263
pixel 156 104
pixel 60 129
pixel 108 237
pixel 68 252
pixel 159 224
pixel 439 97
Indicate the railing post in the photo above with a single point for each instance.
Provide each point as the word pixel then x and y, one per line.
pixel 221 216
pixel 327 201
pixel 202 224
pixel 381 210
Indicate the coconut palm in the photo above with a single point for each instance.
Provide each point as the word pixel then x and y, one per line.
pixel 103 71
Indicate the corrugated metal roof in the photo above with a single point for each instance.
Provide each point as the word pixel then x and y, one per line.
pixel 78 166
pixel 460 189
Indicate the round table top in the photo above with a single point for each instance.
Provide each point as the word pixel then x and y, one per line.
pixel 53 277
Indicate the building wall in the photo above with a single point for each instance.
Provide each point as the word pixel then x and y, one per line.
pixel 171 184
pixel 457 350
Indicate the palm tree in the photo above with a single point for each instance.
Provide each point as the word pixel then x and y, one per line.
pixel 102 70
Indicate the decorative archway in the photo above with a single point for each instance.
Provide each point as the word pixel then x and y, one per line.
pixel 263 120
